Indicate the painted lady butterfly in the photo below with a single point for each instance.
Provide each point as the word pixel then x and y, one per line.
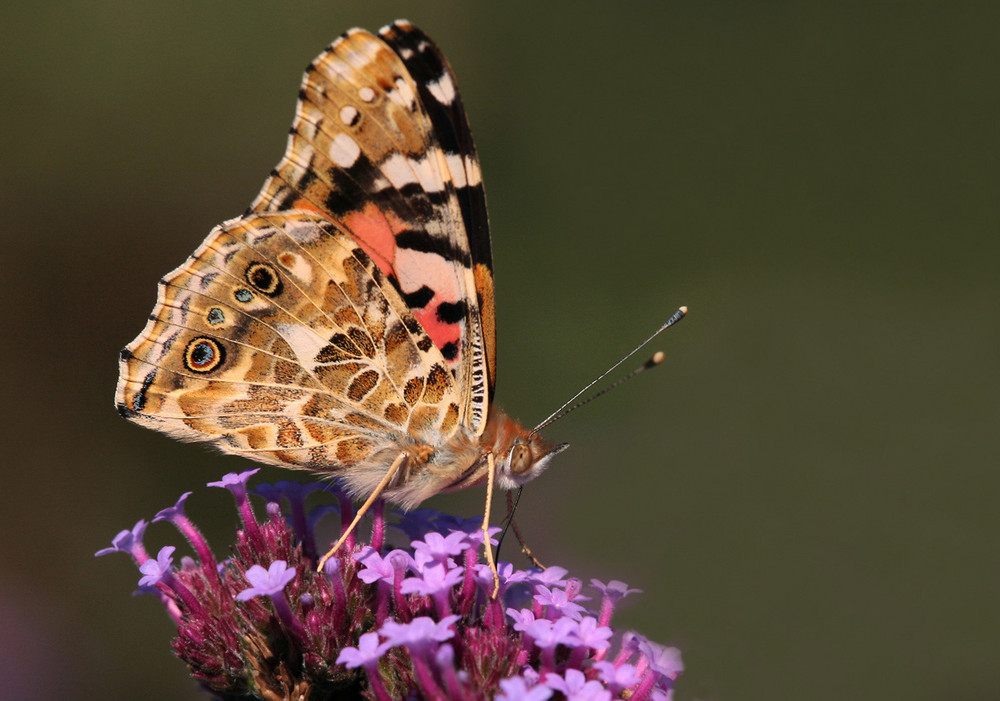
pixel 345 323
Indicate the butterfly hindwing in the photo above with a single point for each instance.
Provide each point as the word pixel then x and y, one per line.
pixel 281 340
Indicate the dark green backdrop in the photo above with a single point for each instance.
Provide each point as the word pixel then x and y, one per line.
pixel 806 491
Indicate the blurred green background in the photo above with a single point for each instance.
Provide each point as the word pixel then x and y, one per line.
pixel 806 491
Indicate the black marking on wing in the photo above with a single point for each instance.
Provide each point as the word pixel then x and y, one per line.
pixel 418 299
pixel 125 412
pixel 139 400
pixel 452 312
pixel 418 240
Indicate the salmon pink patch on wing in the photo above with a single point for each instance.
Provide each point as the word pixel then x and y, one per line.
pixel 375 232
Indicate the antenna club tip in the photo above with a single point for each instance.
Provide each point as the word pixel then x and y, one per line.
pixel 658 357
pixel 683 310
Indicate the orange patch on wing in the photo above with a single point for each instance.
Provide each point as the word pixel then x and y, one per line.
pixel 487 315
pixel 303 203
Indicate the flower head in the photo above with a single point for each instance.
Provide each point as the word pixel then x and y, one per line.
pixel 404 620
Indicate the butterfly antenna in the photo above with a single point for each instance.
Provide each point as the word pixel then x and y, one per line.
pixel 657 358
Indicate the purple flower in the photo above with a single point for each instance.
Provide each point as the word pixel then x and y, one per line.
pixel 367 655
pixel 235 481
pixel 376 567
pixel 611 593
pixel 369 650
pixel 438 548
pixel 434 579
pixel 517 689
pixel 419 632
pixel 575 687
pixel 522 618
pixel 129 541
pixel 237 485
pixel 174 512
pixel 271 583
pixel 155 570
pixel 614 589
pixel 592 635
pixel 267 582
pixel 476 536
pixel 382 623
pixel 175 515
pixel 663 660
pixel 547 634
pixel 616 678
pixel 549 576
pixel 557 601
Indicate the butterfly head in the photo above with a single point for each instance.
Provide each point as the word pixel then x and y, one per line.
pixel 526 458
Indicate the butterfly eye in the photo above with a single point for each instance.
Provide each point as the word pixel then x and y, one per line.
pixel 264 278
pixel 203 355
pixel 520 459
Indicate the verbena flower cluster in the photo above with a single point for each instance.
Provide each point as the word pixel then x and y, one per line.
pixel 384 623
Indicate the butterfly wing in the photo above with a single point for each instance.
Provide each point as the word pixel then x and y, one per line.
pixel 281 340
pixel 381 145
pixel 348 315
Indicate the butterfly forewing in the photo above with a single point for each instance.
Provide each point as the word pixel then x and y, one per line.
pixel 381 144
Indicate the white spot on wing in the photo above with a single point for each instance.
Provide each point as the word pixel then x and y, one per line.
pixel 344 151
pixel 427 174
pixel 456 166
pixel 406 98
pixel 297 266
pixel 366 94
pixel 442 89
pixel 304 342
pixel 397 169
pixel 348 114
pixel 473 175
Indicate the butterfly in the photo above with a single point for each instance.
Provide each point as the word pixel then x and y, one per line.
pixel 344 324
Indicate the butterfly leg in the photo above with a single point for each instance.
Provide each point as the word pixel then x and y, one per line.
pixel 393 469
pixel 491 465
